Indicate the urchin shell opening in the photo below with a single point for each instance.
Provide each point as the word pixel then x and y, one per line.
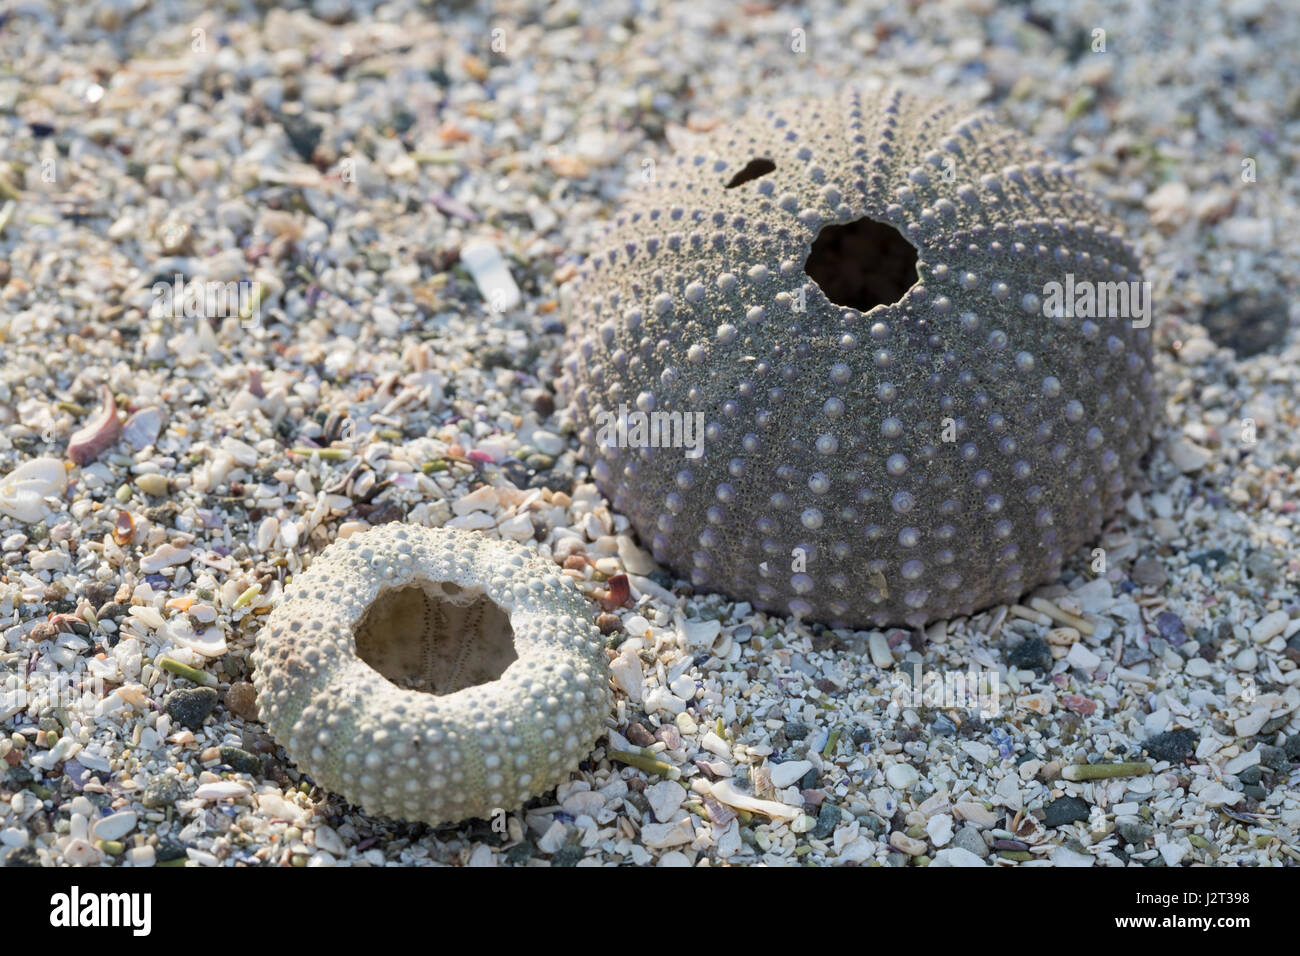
pixel 759 166
pixel 862 264
pixel 435 637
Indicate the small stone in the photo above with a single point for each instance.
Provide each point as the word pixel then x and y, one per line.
pixel 161 791
pixel 902 776
pixel 1215 558
pixel 939 827
pixel 658 836
pixel 637 734
pixel 1065 810
pixel 665 798
pixel 828 818
pixel 568 855
pixel 550 444
pixel 975 813
pixel 1082 658
pixel 1250 724
pixel 114 827
pixel 906 844
pixel 1186 456
pixel 1173 745
pixel 1274 758
pixel 1149 573
pixel 191 707
pixel 968 838
pixel 241 761
pixel 881 654
pixel 1033 654
pixel 1135 834
pixel 241 699
pixel 1269 627
pixel 23 857
pixel 794 730
pixel 1170 627
pixel 786 774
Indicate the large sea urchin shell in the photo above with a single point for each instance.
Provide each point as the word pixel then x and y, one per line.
pixel 932 444
pixel 432 675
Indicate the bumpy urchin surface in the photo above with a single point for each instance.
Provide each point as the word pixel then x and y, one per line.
pixel 922 459
pixel 389 675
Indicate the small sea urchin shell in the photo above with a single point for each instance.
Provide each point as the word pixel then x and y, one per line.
pixel 431 674
pixel 839 307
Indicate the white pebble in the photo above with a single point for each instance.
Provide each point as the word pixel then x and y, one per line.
pixel 789 773
pixel 1251 724
pixel 1269 627
pixel 901 776
pixel 1082 658
pixel 881 655
pixel 548 443
pixel 939 827
pixel 116 826
pixel 665 798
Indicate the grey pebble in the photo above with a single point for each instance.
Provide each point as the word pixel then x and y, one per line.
pixel 969 839
pixel 161 791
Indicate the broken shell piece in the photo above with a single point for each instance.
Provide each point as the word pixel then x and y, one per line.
pixel 23 491
pixel 725 791
pixel 433 674
pixel 89 441
pixel 142 428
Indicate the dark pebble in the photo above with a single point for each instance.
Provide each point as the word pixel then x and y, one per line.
pixel 1215 556
pixel 943 726
pixel 828 818
pixel 1012 845
pixel 1170 627
pixel 1033 654
pixel 1292 748
pixel 1274 758
pixel 112 610
pixel 1251 775
pixel 861 735
pixel 567 856
pixel 1247 322
pixel 241 761
pixel 637 734
pixel 1065 810
pixel 1172 745
pixel 303 134
pixel 1254 791
pixel 794 730
pixel 161 791
pixel 99 594
pixel 662 578
pixel 22 856
pixel 809 780
pixel 1135 834
pixel 191 707
pixel 167 850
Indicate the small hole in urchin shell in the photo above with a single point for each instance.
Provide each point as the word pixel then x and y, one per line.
pixel 753 169
pixel 862 264
pixel 436 638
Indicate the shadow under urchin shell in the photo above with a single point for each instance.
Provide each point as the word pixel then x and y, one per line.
pixel 826 487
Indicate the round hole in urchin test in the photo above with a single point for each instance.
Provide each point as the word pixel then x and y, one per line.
pixel 753 169
pixel 436 638
pixel 862 264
